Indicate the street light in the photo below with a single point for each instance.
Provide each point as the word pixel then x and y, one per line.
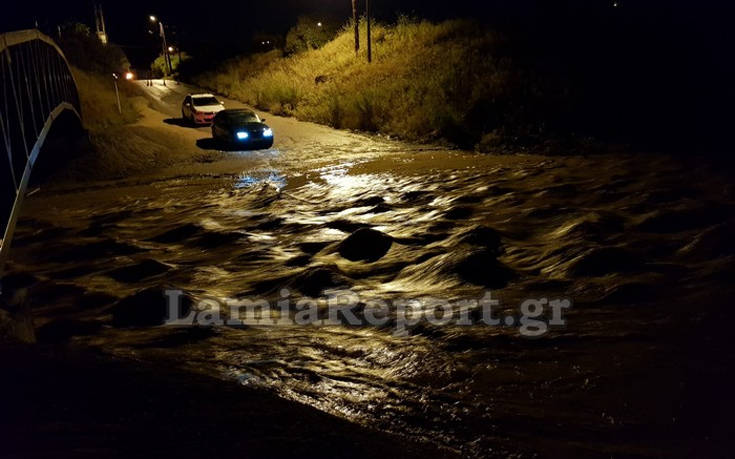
pixel 166 49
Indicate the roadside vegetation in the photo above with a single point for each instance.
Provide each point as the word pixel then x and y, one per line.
pixel 116 145
pixel 451 80
pixel 563 81
pixel 159 67
pixel 93 65
pixel 311 32
pixel 99 103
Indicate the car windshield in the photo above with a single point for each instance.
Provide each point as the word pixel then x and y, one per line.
pixel 203 101
pixel 242 118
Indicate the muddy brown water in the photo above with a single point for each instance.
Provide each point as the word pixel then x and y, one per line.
pixel 641 245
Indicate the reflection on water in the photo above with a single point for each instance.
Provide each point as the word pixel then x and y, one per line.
pixel 632 253
pixel 270 178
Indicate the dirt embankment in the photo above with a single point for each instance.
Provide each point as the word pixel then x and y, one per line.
pixel 122 144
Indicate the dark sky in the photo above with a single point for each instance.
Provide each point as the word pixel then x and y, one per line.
pixel 222 24
pixel 126 19
pixel 220 17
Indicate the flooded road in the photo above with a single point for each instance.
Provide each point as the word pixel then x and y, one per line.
pixel 641 245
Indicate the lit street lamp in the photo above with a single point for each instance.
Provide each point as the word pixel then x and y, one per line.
pixel 166 49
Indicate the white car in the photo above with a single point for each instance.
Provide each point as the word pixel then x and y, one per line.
pixel 200 108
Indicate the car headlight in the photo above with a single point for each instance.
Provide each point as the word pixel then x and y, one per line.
pixel 242 135
pixel 268 132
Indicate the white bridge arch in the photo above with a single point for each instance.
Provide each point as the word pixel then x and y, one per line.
pixel 36 87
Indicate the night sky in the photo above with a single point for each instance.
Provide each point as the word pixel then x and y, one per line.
pixel 126 20
pixel 231 24
pixel 226 24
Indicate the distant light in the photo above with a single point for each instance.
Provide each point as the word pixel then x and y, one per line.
pixel 152 18
pixel 129 76
pixel 268 133
pixel 242 135
pixel 170 49
pixel 616 4
pixel 318 24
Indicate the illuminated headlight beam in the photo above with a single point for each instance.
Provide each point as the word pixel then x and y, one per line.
pixel 268 132
pixel 242 135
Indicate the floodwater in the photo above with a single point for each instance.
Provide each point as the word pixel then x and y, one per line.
pixel 640 245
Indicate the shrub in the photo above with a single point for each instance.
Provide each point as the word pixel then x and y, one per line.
pixel 427 81
pixel 84 50
pixel 160 67
pixel 310 32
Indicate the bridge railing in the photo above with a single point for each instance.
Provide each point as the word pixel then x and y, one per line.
pixel 36 86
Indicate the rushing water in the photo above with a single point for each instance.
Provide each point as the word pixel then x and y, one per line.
pixel 641 246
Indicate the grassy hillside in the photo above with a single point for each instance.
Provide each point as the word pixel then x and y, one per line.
pixel 99 104
pixel 120 145
pixel 116 147
pixel 451 80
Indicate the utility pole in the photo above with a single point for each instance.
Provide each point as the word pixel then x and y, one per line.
pixel 99 22
pixel 369 37
pixel 164 47
pixel 166 56
pixel 357 26
pixel 178 35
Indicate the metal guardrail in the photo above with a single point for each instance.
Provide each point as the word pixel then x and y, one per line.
pixel 36 87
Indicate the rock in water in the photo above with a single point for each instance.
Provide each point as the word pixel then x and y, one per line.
pixel 482 268
pixel 365 244
pixel 314 281
pixel 149 307
pixel 137 272
pixel 484 236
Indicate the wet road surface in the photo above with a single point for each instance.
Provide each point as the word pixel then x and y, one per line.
pixel 641 245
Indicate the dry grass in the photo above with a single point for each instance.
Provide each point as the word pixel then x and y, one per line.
pixel 427 81
pixel 117 147
pixel 99 104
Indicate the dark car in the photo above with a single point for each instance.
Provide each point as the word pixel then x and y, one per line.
pixel 242 127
